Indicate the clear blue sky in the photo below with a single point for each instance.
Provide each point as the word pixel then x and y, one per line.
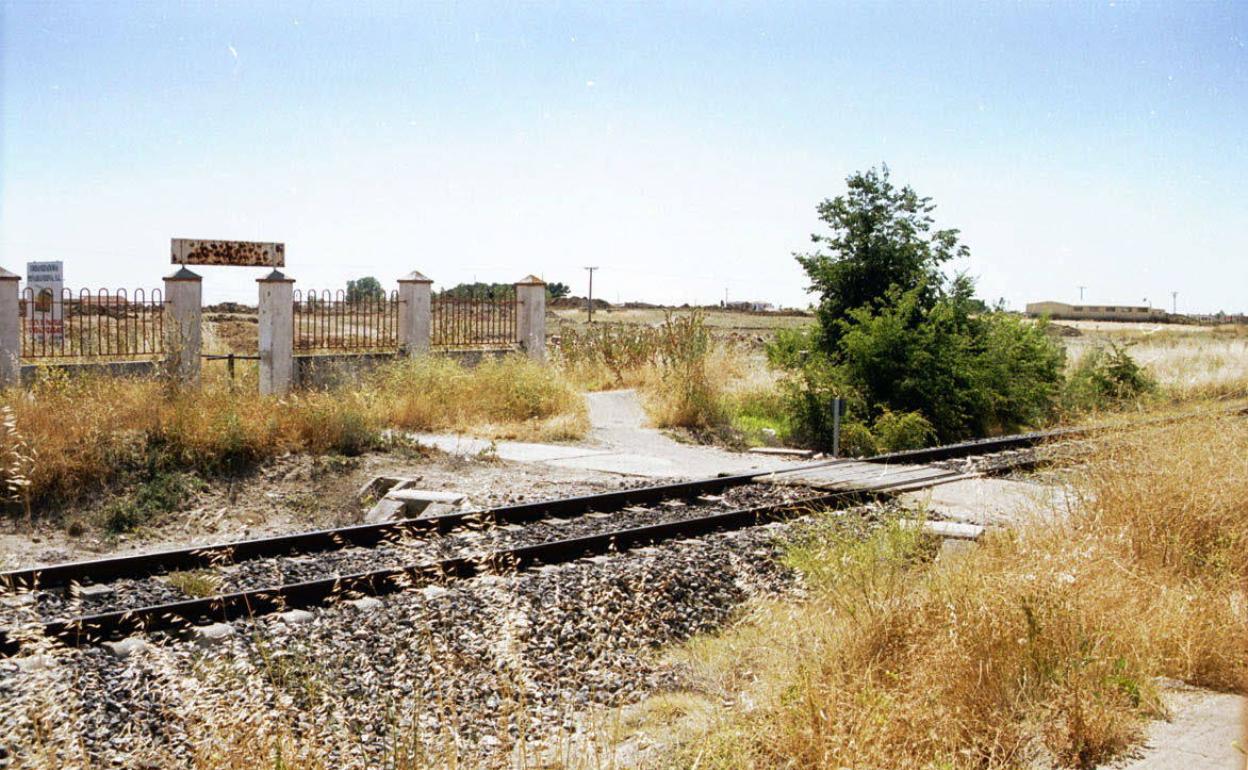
pixel 680 147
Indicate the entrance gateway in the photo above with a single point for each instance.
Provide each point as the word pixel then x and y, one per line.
pixel 184 293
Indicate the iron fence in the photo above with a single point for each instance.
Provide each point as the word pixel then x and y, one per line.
pixel 104 324
pixel 460 322
pixel 329 321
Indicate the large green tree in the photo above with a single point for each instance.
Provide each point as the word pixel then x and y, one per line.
pixel 880 237
pixel 903 343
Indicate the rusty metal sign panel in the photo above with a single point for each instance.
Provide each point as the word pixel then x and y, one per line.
pixel 188 251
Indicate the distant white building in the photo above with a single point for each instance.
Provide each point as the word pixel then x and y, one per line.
pixel 1061 311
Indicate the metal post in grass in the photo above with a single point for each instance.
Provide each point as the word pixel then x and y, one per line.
pixel 182 325
pixel 531 316
pixel 415 313
pixel 277 333
pixel 836 426
pixel 10 330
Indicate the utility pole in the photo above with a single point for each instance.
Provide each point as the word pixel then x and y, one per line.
pixel 1081 288
pixel 1174 299
pixel 590 299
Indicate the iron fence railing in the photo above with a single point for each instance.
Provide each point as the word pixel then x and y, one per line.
pixel 329 321
pixel 102 324
pixel 473 322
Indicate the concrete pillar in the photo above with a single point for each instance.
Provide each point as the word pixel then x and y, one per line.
pixel 10 331
pixel 415 313
pixel 184 293
pixel 277 333
pixel 531 316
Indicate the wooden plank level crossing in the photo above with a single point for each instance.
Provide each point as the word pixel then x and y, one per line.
pixel 862 476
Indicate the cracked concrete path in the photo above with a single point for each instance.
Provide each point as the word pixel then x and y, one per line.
pixel 620 441
pixel 1205 731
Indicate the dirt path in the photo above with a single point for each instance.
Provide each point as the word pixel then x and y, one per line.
pixel 620 442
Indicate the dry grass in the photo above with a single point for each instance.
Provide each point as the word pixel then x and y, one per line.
pixel 1188 362
pixel 513 398
pixel 688 377
pixel 64 437
pixel 1043 643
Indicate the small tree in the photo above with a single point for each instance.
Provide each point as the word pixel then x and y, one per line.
pixel 366 289
pixel 557 290
pixel 914 352
pixel 881 237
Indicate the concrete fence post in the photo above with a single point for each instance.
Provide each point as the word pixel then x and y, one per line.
pixel 184 293
pixel 277 333
pixel 531 317
pixel 10 331
pixel 415 314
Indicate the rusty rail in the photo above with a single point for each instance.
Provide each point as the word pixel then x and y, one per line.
pixel 329 321
pixel 476 322
pixel 104 324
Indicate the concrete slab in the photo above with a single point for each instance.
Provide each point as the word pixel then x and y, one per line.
pixel 1206 731
pixel 953 530
pixel 988 501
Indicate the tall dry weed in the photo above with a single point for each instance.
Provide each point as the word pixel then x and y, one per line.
pixel 67 436
pixel 1044 643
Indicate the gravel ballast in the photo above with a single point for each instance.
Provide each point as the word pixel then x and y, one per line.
pixel 478 669
pixel 128 594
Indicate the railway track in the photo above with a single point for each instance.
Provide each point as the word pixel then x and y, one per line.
pixel 377 559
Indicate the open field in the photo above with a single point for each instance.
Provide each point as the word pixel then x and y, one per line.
pixel 1187 361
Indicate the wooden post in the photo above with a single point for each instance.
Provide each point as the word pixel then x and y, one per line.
pixel 277 333
pixel 10 330
pixel 415 313
pixel 531 316
pixel 183 330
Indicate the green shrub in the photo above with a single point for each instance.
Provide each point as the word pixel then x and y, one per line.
pixel 898 431
pixel 755 411
pixel 1105 379
pixel 857 440
pixel 163 493
pixel 968 375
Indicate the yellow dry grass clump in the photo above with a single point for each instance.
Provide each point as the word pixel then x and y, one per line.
pixel 1043 642
pixel 688 378
pixel 66 435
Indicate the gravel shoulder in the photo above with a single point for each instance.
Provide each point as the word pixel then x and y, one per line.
pixel 477 672
pixel 296 493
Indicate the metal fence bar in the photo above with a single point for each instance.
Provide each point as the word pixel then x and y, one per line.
pixel 473 322
pixel 329 321
pixel 103 324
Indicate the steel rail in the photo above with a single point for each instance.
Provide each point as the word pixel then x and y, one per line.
pixel 143 565
pixel 181 615
pixel 357 535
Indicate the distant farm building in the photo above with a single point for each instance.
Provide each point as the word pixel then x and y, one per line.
pixel 1063 312
pixel 750 307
